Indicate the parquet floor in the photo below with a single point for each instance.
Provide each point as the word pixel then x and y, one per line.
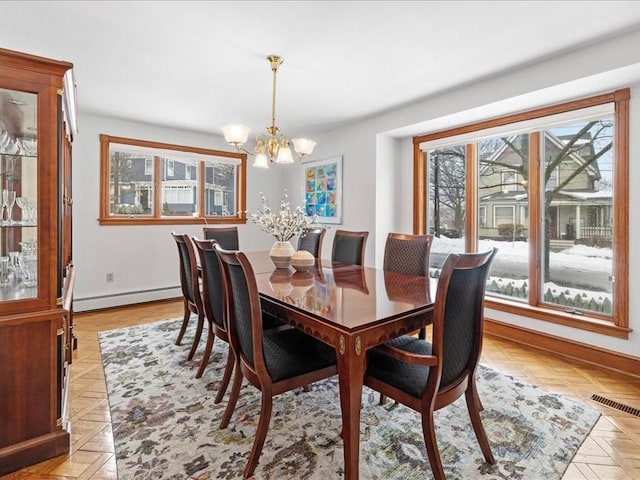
pixel 611 452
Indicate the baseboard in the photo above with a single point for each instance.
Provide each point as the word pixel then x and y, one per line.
pixel 100 302
pixel 565 347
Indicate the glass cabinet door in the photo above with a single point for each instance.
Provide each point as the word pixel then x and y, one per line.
pixel 19 195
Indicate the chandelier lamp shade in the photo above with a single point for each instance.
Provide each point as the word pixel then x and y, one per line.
pixel 274 147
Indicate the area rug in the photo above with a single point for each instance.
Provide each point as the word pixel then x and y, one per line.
pixel 165 424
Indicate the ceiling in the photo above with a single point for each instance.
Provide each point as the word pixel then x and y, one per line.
pixel 200 65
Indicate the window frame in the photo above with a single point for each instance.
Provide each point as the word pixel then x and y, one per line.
pixel 617 324
pixel 156 217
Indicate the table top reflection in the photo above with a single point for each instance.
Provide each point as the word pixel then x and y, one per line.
pixel 349 296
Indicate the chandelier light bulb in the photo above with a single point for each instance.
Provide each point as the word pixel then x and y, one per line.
pixel 236 134
pixel 303 146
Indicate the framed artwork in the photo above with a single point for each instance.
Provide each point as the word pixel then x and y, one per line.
pixel 323 189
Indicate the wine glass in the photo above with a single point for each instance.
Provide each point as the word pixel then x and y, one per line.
pixel 21 206
pixel 11 201
pixel 5 204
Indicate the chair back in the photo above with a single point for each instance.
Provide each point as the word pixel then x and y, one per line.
pixel 458 317
pixel 188 270
pixel 244 319
pixel 407 254
pixel 227 237
pixel 311 241
pixel 349 247
pixel 212 288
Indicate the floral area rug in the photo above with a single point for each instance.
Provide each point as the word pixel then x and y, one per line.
pixel 165 424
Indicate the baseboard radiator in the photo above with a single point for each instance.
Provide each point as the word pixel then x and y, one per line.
pixel 99 302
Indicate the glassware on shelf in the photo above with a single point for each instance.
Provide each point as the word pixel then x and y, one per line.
pixel 28 247
pixel 11 201
pixel 29 267
pixel 28 206
pixel 5 205
pixel 4 271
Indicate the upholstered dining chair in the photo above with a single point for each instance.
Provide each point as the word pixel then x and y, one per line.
pixel 348 247
pixel 190 285
pixel 227 237
pixel 212 292
pixel 275 361
pixel 428 376
pixel 408 254
pixel 311 241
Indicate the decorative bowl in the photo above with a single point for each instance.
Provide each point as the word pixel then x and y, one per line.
pixel 302 260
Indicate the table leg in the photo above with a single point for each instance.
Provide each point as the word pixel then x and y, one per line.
pixel 351 362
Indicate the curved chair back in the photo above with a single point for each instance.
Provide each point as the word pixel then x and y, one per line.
pixel 212 289
pixel 190 285
pixel 188 270
pixel 407 254
pixel 245 313
pixel 458 317
pixel 349 247
pixel 227 237
pixel 311 241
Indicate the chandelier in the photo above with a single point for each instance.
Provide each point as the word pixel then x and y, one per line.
pixel 275 147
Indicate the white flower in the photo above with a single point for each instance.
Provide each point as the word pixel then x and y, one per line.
pixel 285 224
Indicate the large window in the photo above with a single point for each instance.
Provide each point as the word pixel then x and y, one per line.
pixel 549 188
pixel 149 182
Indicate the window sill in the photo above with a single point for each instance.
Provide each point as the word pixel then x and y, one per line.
pixel 582 322
pixel 114 221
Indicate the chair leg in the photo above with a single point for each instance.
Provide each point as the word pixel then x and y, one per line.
pixel 228 370
pixel 422 333
pixel 207 351
pixel 196 339
pixel 261 434
pixel 474 408
pixel 429 432
pixel 233 398
pixel 185 322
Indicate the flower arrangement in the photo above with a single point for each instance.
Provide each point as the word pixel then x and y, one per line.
pixel 285 224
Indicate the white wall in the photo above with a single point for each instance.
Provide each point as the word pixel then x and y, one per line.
pixel 377 178
pixel 143 259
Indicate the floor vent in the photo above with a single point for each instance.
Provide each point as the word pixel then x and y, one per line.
pixel 617 405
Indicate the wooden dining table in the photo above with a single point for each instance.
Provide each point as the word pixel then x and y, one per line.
pixel 351 308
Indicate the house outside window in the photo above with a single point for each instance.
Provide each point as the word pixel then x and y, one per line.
pixel 150 182
pixel 554 187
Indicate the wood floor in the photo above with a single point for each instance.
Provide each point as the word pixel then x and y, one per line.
pixel 611 452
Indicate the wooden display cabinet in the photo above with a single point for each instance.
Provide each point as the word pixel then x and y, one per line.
pixel 37 125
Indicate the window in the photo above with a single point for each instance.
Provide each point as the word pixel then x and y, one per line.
pixel 549 188
pixel 482 216
pixel 503 216
pixel 149 182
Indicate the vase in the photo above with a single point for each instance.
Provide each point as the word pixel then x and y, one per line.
pixel 281 253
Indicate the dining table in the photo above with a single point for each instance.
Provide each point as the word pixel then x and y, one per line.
pixel 351 308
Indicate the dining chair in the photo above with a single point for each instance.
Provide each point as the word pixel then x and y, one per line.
pixel 212 300
pixel 427 376
pixel 311 241
pixel 190 285
pixel 274 361
pixel 227 237
pixel 349 247
pixel 408 254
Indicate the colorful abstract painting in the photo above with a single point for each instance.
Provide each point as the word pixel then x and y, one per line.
pixel 323 189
